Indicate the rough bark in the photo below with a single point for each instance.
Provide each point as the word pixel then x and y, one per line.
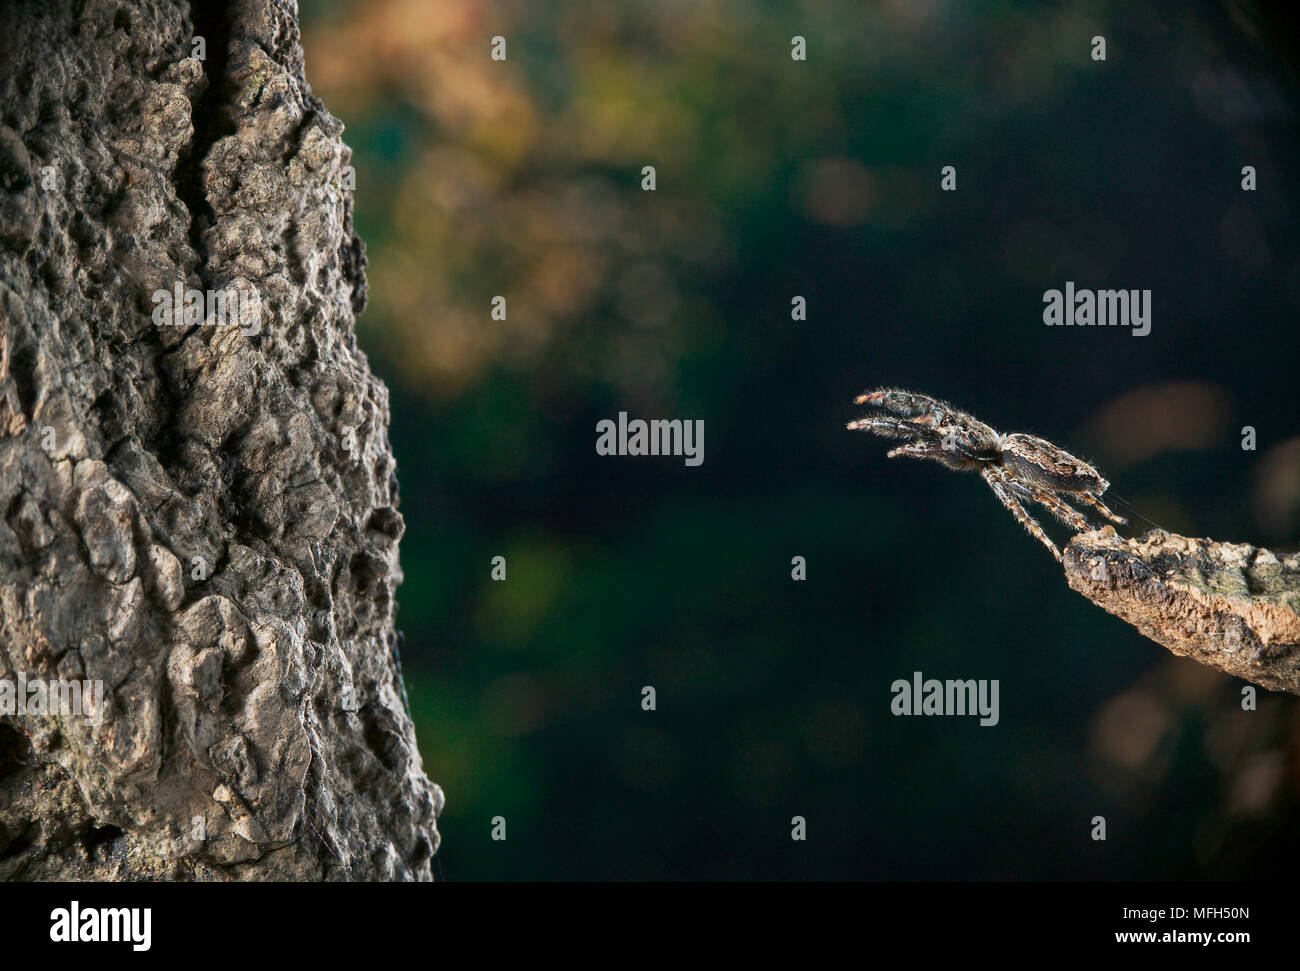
pixel 1232 606
pixel 202 518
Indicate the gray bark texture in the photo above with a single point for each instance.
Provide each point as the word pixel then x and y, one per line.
pixel 201 518
pixel 1232 606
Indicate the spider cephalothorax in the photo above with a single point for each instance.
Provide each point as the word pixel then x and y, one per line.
pixel 1016 467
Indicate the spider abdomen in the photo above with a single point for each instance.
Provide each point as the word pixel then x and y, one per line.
pixel 1041 463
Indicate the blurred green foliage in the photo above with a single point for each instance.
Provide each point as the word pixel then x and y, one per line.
pixel 818 178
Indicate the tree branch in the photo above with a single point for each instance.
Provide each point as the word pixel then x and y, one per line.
pixel 1233 606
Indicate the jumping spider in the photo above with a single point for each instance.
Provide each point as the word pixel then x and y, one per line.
pixel 1016 467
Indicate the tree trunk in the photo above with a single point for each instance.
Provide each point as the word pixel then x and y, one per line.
pixel 198 512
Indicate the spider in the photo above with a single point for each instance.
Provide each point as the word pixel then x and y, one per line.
pixel 1016 467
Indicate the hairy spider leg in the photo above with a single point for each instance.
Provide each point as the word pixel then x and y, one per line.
pixel 997 481
pixel 891 427
pixel 1053 502
pixel 1101 506
pixel 902 402
pixel 959 460
pixel 917 450
pixel 1061 509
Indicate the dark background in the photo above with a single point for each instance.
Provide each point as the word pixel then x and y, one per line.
pixel 820 178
